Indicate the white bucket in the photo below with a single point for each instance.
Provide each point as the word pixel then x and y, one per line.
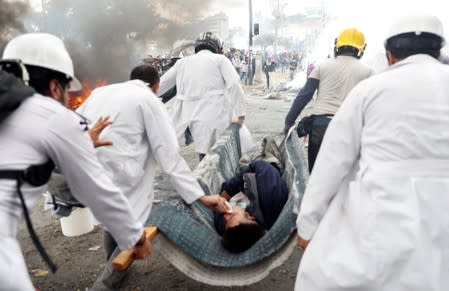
pixel 79 222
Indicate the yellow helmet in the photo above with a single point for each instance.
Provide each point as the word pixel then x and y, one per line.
pixel 351 37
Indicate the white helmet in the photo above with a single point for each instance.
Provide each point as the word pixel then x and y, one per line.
pixel 416 24
pixel 43 50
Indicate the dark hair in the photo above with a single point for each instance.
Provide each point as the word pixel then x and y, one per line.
pixel 146 73
pixel 408 44
pixel 40 78
pixel 241 237
pixel 347 51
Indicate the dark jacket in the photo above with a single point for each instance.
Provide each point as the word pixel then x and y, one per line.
pixel 12 93
pixel 272 193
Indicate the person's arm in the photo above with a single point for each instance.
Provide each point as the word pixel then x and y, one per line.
pixel 234 87
pixel 303 98
pixel 337 157
pixel 235 184
pixel 167 96
pixel 71 149
pixel 165 148
pixel 168 80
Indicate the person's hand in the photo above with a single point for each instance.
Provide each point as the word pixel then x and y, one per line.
pixel 214 202
pixel 302 243
pixel 225 195
pixel 97 129
pixel 142 248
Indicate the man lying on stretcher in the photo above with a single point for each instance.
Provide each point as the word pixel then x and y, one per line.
pixel 256 197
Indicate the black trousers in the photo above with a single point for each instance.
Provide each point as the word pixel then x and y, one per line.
pixel 319 127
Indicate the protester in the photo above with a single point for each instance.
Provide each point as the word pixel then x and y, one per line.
pixel 209 93
pixel 144 138
pixel 244 71
pixel 293 66
pixel 332 79
pixel 37 134
pixel 237 62
pixel 268 67
pixel 375 207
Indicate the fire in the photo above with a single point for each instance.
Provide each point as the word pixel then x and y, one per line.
pixel 78 98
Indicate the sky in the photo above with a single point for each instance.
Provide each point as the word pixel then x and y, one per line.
pixel 238 10
pixel 373 17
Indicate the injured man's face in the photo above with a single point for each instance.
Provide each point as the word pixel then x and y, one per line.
pixel 237 217
pixel 241 230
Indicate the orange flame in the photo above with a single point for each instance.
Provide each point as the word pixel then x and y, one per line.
pixel 78 98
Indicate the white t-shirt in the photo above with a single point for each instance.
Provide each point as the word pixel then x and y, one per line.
pixel 337 78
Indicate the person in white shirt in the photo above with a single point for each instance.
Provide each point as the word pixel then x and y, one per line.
pixel 209 93
pixel 143 138
pixel 375 212
pixel 38 131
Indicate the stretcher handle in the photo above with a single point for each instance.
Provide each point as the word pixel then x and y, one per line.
pixel 126 258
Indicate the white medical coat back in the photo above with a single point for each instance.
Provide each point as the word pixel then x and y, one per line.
pixel 41 128
pixel 376 205
pixel 209 95
pixel 143 138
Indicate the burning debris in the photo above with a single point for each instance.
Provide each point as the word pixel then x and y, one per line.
pixel 106 38
pixel 78 98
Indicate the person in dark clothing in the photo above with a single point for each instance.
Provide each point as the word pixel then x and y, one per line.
pixel 268 67
pixel 293 65
pixel 250 218
pixel 267 75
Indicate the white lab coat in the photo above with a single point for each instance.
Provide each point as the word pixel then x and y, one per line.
pixel 39 129
pixel 143 138
pixel 376 206
pixel 209 95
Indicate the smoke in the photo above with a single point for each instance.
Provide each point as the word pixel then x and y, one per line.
pixel 106 38
pixel 10 22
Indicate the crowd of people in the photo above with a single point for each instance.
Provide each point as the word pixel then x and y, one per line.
pixel 374 212
pixel 282 62
pixel 290 61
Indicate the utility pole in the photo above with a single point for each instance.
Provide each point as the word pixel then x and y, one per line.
pixel 323 14
pixel 276 31
pixel 250 46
